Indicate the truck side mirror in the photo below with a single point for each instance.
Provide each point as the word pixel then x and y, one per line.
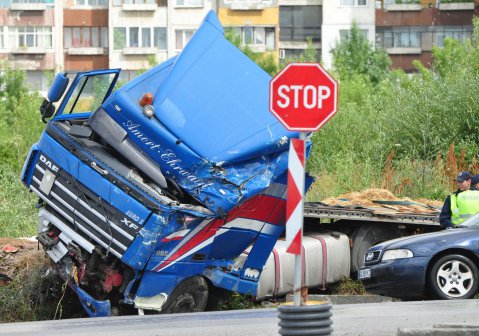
pixel 54 94
pixel 46 110
pixel 58 88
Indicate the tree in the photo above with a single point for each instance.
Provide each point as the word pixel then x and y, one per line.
pixel 457 56
pixel 308 55
pixel 354 55
pixel 264 60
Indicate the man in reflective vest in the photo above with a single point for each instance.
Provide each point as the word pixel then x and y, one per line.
pixel 461 204
pixel 474 182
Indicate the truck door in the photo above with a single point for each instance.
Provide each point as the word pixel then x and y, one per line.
pixel 78 94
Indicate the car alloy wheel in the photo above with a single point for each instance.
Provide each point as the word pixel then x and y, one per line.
pixel 454 277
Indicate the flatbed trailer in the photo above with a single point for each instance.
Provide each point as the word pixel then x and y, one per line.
pixel 369 225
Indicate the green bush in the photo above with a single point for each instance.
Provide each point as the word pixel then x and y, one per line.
pixel 21 127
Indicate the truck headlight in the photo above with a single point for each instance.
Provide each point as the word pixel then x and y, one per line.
pixel 397 254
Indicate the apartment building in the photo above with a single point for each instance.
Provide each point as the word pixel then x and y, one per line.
pixel 27 29
pixel 84 35
pixel 408 31
pixel 338 16
pixel 41 36
pixel 256 22
pixel 298 21
pixel 146 32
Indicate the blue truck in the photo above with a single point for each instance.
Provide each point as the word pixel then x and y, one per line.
pixel 148 194
pixel 162 193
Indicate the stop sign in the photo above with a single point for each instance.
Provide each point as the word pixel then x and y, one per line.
pixel 303 96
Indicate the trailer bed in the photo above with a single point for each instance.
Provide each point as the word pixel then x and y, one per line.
pixel 384 211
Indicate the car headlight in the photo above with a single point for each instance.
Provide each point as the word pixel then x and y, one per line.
pixel 397 254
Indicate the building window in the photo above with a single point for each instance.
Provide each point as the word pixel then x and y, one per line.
pixel 161 3
pixel 297 23
pixel 354 3
pixel 266 2
pixel 188 3
pixel 257 37
pixel 127 75
pixel 31 37
pixel 129 2
pixel 92 3
pixel 401 37
pixel 133 37
pixel 292 54
pixel 455 32
pixel 36 80
pixel 28 1
pixel 344 33
pixel 85 37
pixel 183 36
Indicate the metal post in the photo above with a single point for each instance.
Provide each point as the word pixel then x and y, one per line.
pixel 298 258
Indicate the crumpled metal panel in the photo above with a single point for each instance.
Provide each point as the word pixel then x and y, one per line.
pixel 212 132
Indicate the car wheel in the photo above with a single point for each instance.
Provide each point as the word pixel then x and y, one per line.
pixel 454 277
pixel 189 296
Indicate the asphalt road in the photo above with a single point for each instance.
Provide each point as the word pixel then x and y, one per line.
pixel 349 319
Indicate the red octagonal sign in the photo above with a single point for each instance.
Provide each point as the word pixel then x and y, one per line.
pixel 303 96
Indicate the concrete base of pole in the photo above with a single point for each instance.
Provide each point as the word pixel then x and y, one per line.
pixel 311 319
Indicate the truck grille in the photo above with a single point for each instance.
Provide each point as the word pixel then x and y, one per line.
pixel 85 211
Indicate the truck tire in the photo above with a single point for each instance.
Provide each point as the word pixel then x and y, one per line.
pixel 189 296
pixel 365 237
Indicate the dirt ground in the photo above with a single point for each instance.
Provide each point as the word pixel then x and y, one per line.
pixel 17 256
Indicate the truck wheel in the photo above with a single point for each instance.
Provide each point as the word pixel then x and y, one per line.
pixel 365 237
pixel 454 276
pixel 189 296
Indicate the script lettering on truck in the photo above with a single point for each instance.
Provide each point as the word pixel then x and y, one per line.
pixel 167 155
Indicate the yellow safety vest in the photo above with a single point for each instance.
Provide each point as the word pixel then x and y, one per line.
pixel 464 205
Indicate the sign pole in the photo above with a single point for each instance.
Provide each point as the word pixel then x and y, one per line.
pixel 303 97
pixel 298 258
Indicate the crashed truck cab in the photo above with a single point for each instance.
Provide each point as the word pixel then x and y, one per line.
pixel 151 194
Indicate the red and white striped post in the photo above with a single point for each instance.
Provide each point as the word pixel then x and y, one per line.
pixel 295 209
pixel 303 97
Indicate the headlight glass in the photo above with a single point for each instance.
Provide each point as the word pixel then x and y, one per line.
pixel 397 254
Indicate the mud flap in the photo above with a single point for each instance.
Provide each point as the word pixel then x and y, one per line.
pixel 93 307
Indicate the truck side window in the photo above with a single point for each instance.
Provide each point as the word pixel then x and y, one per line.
pixel 89 93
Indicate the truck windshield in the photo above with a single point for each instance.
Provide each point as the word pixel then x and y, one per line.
pixel 89 93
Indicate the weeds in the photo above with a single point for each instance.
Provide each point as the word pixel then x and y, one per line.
pixel 347 286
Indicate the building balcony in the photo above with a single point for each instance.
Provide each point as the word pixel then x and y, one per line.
pixel 139 51
pixel 404 51
pixel 143 7
pixel 29 50
pixel 86 51
pixel 456 6
pixel 248 5
pixel 27 64
pixel 28 6
pixel 402 7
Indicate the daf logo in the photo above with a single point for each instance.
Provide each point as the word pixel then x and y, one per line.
pixel 129 224
pixel 48 163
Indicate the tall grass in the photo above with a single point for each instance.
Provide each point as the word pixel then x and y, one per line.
pixel 20 127
pixel 409 134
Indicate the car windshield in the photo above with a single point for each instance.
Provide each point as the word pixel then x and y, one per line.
pixel 471 222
